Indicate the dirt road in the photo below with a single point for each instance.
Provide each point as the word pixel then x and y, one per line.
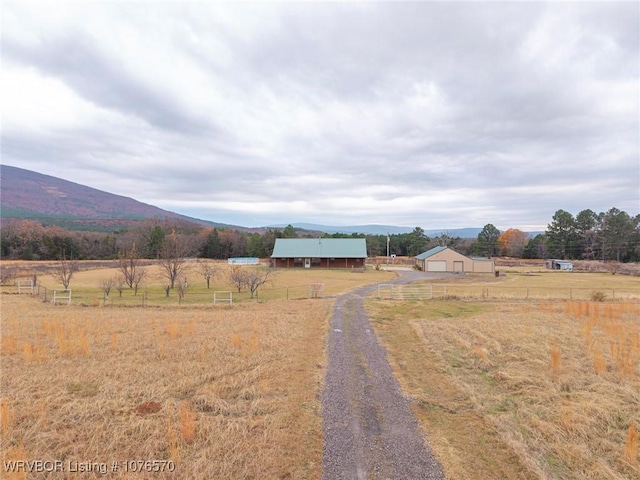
pixel 369 430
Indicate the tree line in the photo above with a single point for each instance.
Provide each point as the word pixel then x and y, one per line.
pixel 611 235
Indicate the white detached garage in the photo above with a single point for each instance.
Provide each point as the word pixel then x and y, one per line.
pixel 443 259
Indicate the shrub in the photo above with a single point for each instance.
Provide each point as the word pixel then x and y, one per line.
pixel 598 296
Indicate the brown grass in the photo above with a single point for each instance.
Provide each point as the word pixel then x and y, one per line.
pixel 187 422
pixel 6 417
pixel 631 447
pixel 224 392
pixel 546 390
pixel 283 284
pixel 543 285
pixel 555 360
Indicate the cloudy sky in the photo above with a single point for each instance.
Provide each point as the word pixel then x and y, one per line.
pixel 431 114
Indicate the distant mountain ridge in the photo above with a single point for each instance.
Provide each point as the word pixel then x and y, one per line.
pixel 383 230
pixel 26 194
pixel 365 229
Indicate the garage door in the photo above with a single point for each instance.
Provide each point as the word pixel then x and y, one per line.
pixel 436 265
pixel 458 266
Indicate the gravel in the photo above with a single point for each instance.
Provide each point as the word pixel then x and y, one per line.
pixel 369 430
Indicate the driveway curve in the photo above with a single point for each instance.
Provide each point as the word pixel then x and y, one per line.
pixel 369 430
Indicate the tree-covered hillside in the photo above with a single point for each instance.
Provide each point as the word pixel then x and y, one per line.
pixel 611 235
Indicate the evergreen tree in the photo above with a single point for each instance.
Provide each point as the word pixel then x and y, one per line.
pixel 586 229
pixel 417 242
pixel 487 243
pixel 617 234
pixel 289 232
pixel 213 246
pixel 256 246
pixel 562 236
pixel 535 248
pixel 155 242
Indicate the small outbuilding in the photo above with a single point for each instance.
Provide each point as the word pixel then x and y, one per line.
pixel 559 265
pixel 319 253
pixel 444 259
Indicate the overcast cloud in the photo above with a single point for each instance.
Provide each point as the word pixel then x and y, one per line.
pixel 435 114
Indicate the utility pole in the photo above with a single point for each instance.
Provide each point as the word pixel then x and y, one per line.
pixel 387 248
pixel 603 233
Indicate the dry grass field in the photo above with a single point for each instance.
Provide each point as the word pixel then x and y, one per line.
pixel 545 389
pixel 223 393
pixel 522 283
pixel 282 284
pixel 506 388
pixel 214 391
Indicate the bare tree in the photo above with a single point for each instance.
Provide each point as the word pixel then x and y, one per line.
pixel 119 283
pixel 7 275
pixel 208 271
pixel 65 270
pixel 237 277
pixel 446 240
pixel 182 288
pixel 256 278
pixel 251 278
pixel 173 257
pixel 106 285
pixel 130 265
pixel 138 278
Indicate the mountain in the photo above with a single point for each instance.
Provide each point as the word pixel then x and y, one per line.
pixel 455 232
pixel 366 229
pixel 382 230
pixel 26 194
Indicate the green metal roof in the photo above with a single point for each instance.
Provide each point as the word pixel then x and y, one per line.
pixel 320 248
pixel 430 253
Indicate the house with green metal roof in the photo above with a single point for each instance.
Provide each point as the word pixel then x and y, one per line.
pixel 444 259
pixel 319 253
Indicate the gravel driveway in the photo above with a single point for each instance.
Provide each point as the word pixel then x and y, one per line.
pixel 369 430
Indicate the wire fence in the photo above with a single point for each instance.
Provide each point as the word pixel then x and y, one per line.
pixel 159 297
pixel 453 291
pixel 417 291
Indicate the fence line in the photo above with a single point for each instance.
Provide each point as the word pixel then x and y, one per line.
pixel 316 289
pixel 223 297
pixel 64 294
pixel 429 291
pixel 41 292
pixel 416 291
pixel 25 285
pixel 157 297
pixel 413 292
